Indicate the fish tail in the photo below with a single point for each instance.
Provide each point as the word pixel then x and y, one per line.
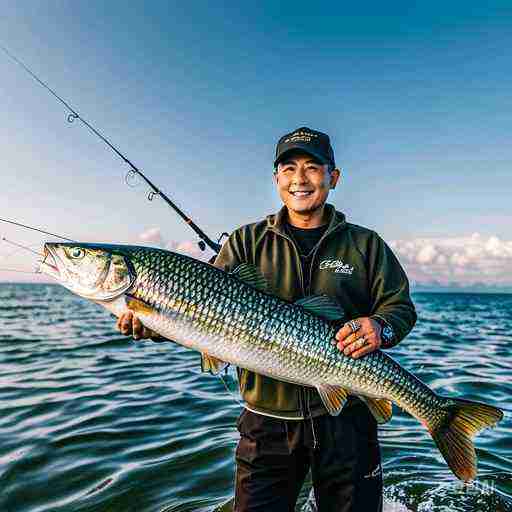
pixel 453 434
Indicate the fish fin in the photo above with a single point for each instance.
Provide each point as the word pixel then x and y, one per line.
pixel 323 306
pixel 212 364
pixel 381 408
pixel 252 276
pixel 453 435
pixel 333 397
pixel 138 305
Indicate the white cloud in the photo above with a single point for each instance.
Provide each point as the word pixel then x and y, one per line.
pixel 427 254
pixel 466 260
pixel 152 236
pixel 190 248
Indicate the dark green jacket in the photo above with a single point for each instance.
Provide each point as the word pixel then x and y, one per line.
pixel 350 263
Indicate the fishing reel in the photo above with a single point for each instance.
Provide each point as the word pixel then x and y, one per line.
pixel 202 246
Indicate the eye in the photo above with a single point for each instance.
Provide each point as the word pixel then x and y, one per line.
pixel 77 253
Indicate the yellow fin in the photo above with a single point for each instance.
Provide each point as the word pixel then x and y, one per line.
pixel 333 397
pixel 138 305
pixel 381 408
pixel 453 436
pixel 212 364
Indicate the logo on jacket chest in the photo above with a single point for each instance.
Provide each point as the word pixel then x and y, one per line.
pixel 336 266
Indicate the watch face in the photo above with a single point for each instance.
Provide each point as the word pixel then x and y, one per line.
pixel 387 333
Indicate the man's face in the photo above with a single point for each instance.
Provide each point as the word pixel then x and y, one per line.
pixel 304 182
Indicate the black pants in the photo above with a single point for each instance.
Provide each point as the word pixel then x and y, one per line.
pixel 273 457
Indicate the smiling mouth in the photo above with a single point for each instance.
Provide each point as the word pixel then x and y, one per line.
pixel 301 193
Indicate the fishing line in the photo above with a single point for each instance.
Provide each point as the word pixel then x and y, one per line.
pixel 36 229
pixel 204 239
pixel 20 271
pixel 230 392
pixel 22 246
pixel 9 255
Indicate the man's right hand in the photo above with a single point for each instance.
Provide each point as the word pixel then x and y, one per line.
pixel 128 324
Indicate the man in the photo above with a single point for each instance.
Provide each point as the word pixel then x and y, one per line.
pixel 308 248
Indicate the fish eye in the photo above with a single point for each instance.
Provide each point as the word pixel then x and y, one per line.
pixel 77 253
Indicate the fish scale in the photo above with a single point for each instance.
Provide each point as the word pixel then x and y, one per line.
pixel 228 317
pixel 283 333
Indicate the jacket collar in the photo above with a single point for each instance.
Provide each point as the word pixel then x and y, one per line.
pixel 277 222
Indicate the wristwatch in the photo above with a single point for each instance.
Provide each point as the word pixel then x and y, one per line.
pixel 387 334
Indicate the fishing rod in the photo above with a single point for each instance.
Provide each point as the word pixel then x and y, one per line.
pixel 205 240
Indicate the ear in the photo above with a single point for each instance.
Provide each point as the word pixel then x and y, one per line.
pixel 335 176
pixel 275 179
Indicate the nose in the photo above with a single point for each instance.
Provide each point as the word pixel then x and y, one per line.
pixel 299 176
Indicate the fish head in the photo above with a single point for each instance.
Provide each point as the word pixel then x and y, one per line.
pixel 96 272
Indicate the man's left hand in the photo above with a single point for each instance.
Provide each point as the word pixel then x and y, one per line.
pixel 358 343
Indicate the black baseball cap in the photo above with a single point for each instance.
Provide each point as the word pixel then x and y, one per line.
pixel 310 141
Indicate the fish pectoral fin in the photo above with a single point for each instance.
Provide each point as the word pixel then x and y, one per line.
pixel 333 397
pixel 381 408
pixel 252 276
pixel 212 364
pixel 138 305
pixel 323 306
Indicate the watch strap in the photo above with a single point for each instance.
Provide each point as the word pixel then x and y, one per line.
pixel 387 333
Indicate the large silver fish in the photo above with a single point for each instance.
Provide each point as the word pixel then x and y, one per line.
pixel 234 318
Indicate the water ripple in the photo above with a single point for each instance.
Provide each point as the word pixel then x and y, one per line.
pixel 92 421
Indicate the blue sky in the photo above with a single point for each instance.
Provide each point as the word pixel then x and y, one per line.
pixel 417 100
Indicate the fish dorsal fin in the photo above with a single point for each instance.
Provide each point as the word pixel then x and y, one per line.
pixel 381 408
pixel 212 364
pixel 322 305
pixel 333 397
pixel 252 276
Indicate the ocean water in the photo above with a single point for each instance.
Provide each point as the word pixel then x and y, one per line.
pixel 92 421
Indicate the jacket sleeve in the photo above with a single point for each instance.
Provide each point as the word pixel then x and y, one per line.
pixel 389 291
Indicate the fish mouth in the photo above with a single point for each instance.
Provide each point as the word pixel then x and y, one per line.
pixel 49 263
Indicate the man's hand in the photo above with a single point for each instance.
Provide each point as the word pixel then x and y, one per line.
pixel 362 341
pixel 128 324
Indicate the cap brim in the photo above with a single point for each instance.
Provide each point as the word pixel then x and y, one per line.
pixel 301 147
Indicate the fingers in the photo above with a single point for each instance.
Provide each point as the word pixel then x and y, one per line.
pixel 362 352
pixel 124 324
pixel 344 332
pixel 350 332
pixel 349 340
pixel 128 324
pixel 364 340
pixel 137 328
pixel 360 346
